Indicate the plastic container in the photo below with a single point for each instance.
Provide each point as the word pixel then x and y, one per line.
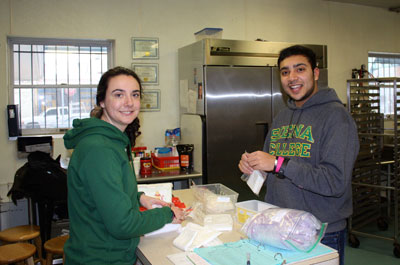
pixel 213 33
pixel 139 151
pixel 172 136
pixel 217 198
pixel 165 163
pixel 163 151
pixel 247 209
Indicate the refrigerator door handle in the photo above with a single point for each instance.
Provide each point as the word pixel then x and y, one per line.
pixel 266 127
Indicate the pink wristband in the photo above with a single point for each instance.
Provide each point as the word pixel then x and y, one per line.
pixel 280 161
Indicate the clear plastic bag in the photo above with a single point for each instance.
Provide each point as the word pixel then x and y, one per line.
pixel 285 228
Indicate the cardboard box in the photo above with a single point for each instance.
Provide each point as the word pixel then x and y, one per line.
pixel 247 209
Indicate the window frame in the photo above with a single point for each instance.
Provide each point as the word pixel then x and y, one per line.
pixel 387 110
pixel 11 40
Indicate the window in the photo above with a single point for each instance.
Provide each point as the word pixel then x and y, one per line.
pixel 385 65
pixel 55 81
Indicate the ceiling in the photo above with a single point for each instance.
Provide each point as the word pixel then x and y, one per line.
pixel 392 5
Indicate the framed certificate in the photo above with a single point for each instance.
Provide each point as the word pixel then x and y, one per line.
pixel 151 100
pixel 144 48
pixel 148 73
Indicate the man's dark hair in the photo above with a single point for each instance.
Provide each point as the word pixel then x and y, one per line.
pixel 298 50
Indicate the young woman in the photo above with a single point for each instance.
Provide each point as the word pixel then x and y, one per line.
pixel 103 200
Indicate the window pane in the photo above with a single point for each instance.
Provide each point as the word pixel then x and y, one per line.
pixel 96 68
pixel 50 65
pixel 63 98
pixel 73 65
pixel 25 68
pixel 16 97
pixel 37 48
pixel 62 65
pixel 26 109
pixel 85 69
pixel 74 105
pixel 25 48
pixel 104 62
pixel 93 95
pixel 86 102
pixel 95 49
pixel 38 68
pixel 16 68
pixel 17 102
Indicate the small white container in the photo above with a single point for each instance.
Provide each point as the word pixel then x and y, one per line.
pixel 136 166
pixel 247 209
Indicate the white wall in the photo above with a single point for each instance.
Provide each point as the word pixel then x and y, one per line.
pixel 350 31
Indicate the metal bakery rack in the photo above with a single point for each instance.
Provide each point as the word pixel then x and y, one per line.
pixel 376 179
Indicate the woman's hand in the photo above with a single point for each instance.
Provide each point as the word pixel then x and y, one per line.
pixel 148 202
pixel 179 215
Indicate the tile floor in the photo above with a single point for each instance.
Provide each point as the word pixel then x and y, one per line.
pixel 372 251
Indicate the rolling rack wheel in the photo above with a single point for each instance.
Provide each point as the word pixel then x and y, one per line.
pixel 382 224
pixel 353 241
pixel 396 250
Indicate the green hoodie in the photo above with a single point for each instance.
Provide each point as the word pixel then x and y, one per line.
pixel 103 200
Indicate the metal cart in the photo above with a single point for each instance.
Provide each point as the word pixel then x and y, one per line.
pixel 368 181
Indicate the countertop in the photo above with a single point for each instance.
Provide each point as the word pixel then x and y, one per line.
pixel 168 175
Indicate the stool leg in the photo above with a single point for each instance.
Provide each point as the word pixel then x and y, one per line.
pixel 29 261
pixel 38 243
pixel 49 258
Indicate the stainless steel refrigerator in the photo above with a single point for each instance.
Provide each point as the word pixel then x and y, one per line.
pixel 229 94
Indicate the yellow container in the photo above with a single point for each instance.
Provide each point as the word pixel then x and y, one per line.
pixel 247 209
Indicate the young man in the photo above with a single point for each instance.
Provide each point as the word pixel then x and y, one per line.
pixel 310 151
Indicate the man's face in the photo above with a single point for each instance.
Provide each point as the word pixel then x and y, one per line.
pixel 298 79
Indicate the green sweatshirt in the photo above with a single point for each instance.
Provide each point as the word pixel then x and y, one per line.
pixel 103 200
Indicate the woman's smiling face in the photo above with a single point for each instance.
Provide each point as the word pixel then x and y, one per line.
pixel 121 104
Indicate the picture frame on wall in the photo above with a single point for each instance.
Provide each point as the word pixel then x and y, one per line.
pixel 151 100
pixel 144 48
pixel 147 72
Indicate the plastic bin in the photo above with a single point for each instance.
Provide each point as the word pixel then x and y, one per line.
pixel 217 198
pixel 165 163
pixel 213 33
pixel 247 209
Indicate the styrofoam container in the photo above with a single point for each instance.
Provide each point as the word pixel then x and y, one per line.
pixel 247 209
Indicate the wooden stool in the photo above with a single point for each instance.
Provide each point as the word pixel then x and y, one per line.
pixel 17 253
pixel 23 233
pixel 55 246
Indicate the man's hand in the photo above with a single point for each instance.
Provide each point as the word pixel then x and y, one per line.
pixel 244 164
pixel 261 161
